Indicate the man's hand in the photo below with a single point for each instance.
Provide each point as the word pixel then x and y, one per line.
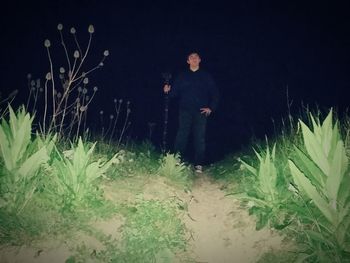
pixel 166 88
pixel 205 111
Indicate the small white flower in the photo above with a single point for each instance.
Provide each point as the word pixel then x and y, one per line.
pixel 62 70
pixel 80 89
pixel 60 27
pixel 47 43
pixel 29 76
pixel 101 112
pixel 111 116
pixel 91 29
pixel 101 64
pixel 86 81
pixel 72 30
pixel 95 89
pixel 106 53
pixel 61 76
pixel 84 90
pixel 48 76
pixel 115 100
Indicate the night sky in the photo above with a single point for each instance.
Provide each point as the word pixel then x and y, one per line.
pixel 253 49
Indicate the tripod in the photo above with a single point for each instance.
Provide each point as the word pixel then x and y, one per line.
pixel 166 77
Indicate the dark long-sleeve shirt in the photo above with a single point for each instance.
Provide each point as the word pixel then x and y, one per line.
pixel 195 89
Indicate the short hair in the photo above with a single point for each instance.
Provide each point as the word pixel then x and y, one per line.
pixel 193 52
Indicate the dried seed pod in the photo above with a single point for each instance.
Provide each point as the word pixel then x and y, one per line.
pixel 47 43
pixel 76 54
pixel 91 29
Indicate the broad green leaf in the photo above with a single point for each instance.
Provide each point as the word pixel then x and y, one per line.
pixel 343 229
pixel 327 133
pixel 5 150
pixel 344 191
pixel 308 167
pixel 302 182
pixel 250 168
pixel 31 165
pixel 338 167
pixel 314 149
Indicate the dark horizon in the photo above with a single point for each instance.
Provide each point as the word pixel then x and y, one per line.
pixel 253 50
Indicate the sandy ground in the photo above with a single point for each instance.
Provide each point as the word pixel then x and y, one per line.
pixel 219 231
pixel 222 231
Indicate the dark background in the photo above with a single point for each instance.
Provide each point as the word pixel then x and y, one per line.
pixel 255 50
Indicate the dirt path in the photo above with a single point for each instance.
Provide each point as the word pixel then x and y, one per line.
pixel 221 230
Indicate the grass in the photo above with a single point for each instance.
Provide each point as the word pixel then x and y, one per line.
pixel 300 187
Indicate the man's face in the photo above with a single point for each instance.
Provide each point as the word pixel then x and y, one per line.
pixel 193 60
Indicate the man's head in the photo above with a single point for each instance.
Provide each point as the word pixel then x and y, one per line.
pixel 193 59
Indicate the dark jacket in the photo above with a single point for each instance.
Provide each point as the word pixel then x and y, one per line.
pixel 195 89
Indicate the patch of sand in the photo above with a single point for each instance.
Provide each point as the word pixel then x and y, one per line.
pixel 219 230
pixel 222 231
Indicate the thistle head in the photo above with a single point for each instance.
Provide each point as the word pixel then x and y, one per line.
pixel 59 27
pixel 72 30
pixel 76 54
pixel 47 43
pixel 91 29
pixel 83 108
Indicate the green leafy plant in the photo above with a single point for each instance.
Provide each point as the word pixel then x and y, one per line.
pixel 265 198
pixel 22 160
pixel 320 171
pixel 75 173
pixel 171 167
pixel 152 232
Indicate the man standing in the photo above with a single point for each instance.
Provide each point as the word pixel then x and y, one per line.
pixel 198 98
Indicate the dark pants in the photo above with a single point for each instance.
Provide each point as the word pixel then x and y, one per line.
pixel 196 122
